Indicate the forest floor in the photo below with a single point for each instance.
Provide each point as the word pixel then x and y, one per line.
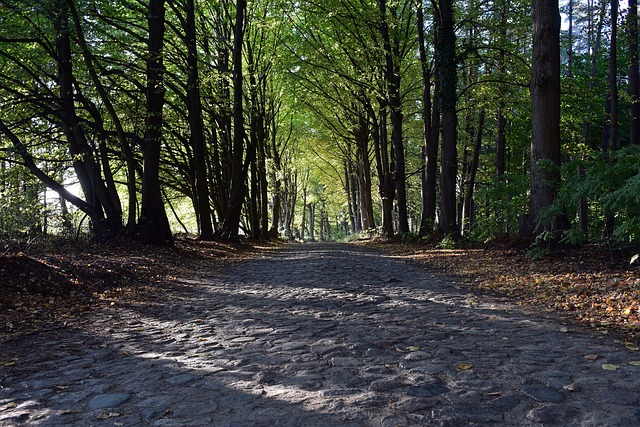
pixel 48 283
pixel 51 283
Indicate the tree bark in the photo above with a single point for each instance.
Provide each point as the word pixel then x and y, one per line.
pixel 122 137
pixel 231 224
pixel 447 68
pixel 634 77
pixel 429 150
pixel 473 169
pixel 153 225
pixel 545 101
pixel 194 107
pixel 392 77
pixel 106 214
pixel 611 143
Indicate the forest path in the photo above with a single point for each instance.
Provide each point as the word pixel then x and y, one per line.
pixel 318 335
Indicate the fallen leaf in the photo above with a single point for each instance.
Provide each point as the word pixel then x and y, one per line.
pixel 413 348
pixel 571 387
pixel 635 363
pixel 202 339
pixel 107 415
pixel 591 357
pixel 464 366
pixel 609 367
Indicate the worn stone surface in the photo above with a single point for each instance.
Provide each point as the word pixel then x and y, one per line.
pixel 316 335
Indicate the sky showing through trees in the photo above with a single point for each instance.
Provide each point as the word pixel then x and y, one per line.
pixel 320 120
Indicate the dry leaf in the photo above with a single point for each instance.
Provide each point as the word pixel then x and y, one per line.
pixel 413 348
pixel 464 366
pixel 591 357
pixel 609 367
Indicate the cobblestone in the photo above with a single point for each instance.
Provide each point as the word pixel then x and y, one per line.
pixel 318 335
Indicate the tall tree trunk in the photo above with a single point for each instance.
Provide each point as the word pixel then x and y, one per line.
pixel 612 143
pixel 545 101
pixel 363 172
pixel 231 224
pixel 386 187
pixel 634 77
pixel 429 151
pixel 468 198
pixel 305 187
pixel 122 137
pixel 501 140
pixel 194 107
pixel 348 192
pixel 153 225
pixel 392 77
pixel 106 215
pixel 447 68
pixel 312 221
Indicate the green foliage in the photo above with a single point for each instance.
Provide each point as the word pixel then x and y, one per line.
pixel 612 186
pixel 448 242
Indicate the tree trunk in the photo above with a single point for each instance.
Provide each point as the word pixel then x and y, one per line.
pixel 386 187
pixel 392 77
pixel 95 191
pixel 363 172
pixel 501 140
pixel 473 169
pixel 194 107
pixel 305 187
pixel 611 144
pixel 231 224
pixel 153 225
pixel 347 188
pixel 312 221
pixel 447 68
pixel 429 151
pixel 545 101
pixel 122 137
pixel 634 77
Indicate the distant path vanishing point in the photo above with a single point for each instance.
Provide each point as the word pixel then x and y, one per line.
pixel 318 335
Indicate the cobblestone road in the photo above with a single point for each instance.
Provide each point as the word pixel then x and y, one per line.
pixel 319 335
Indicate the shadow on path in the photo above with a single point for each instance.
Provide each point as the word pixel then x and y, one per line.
pixel 318 335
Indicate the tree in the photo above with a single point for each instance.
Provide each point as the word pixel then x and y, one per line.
pixel 429 152
pixel 447 97
pixel 231 224
pixel 545 112
pixel 153 225
pixel 634 77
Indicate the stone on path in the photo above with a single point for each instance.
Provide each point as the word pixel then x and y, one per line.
pixel 103 401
